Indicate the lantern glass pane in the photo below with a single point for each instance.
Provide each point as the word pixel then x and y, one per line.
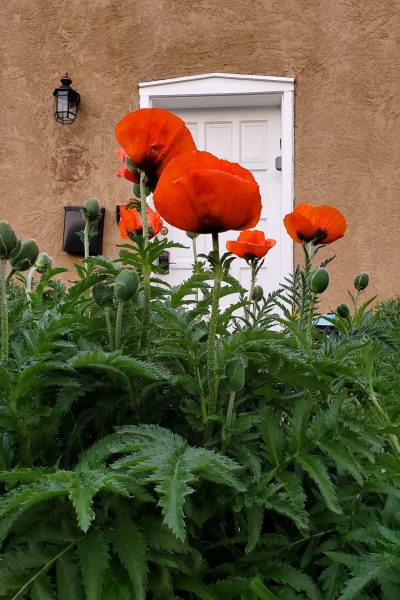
pixel 62 101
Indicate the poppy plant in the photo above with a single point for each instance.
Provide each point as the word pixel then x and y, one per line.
pixel 152 137
pixel 250 245
pixel 124 171
pixel 317 224
pixel 201 193
pixel 131 223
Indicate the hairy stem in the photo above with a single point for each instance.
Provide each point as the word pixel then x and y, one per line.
pixel 212 333
pixel 86 240
pixel 109 327
pixel 146 307
pixel 143 208
pixel 29 281
pixel 229 412
pixel 3 310
pixel 118 324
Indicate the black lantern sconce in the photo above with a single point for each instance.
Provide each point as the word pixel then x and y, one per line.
pixel 66 102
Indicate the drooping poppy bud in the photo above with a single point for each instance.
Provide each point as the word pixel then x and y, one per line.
pixel 361 281
pixel 343 311
pixel 91 210
pixel 126 284
pixel 43 262
pixel 318 280
pixel 235 373
pixel 26 257
pixel 9 242
pixel 258 293
pixel 102 294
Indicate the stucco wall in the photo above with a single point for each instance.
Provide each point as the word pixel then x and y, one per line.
pixel 343 54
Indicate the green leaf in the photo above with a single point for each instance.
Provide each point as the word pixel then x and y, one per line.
pixel 262 592
pixel 41 589
pixel 69 580
pixel 93 557
pixel 255 517
pixel 319 474
pixel 129 543
pixel 196 587
pixel 85 486
pixel 371 567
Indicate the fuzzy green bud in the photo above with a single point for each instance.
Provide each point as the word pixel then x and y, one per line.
pixel 26 257
pixel 343 311
pixel 126 284
pixel 91 210
pixel 318 280
pixel 102 294
pixel 258 293
pixel 361 281
pixel 43 263
pixel 9 242
pixel 235 373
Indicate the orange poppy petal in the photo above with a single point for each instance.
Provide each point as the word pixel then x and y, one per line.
pixel 248 250
pixel 200 193
pixel 299 227
pixel 325 219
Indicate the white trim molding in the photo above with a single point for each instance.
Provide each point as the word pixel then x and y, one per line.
pixel 227 90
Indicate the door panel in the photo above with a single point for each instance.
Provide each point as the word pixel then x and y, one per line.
pixel 251 137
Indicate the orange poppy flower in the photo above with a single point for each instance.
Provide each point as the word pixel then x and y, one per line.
pixel 250 244
pixel 151 138
pixel 131 223
pixel 124 171
pixel 317 224
pixel 201 193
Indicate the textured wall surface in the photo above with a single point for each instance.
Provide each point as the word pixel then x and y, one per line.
pixel 343 54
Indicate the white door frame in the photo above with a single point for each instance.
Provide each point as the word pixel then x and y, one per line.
pixel 213 90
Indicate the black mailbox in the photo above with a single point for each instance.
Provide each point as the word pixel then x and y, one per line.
pixel 74 223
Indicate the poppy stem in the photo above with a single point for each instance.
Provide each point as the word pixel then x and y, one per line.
pixel 29 281
pixel 253 266
pixel 212 366
pixel 146 307
pixel 109 327
pixel 3 310
pixel 86 240
pixel 118 324
pixel 143 208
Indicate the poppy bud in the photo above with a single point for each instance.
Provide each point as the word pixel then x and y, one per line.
pixel 43 262
pixel 102 294
pixel 8 240
pixel 126 284
pixel 318 280
pixel 258 293
pixel 26 257
pixel 343 311
pixel 235 374
pixel 361 281
pixel 91 210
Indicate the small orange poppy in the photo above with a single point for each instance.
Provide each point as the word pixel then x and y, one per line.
pixel 317 224
pixel 131 222
pixel 201 193
pixel 124 171
pixel 151 138
pixel 250 245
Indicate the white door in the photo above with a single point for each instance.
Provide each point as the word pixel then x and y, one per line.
pixel 251 137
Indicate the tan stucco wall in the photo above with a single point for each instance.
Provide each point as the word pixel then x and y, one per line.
pixel 344 55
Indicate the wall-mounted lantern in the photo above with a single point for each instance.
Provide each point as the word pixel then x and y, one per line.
pixel 66 102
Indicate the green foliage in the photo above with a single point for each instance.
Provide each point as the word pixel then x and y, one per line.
pixel 113 484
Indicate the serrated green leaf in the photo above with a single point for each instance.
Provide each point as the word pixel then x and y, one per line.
pixel 319 474
pixel 93 557
pixel 130 546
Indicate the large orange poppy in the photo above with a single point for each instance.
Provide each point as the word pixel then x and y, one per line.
pixel 131 222
pixel 250 245
pixel 317 224
pixel 201 193
pixel 124 171
pixel 151 138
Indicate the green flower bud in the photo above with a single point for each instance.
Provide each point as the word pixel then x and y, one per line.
pixel 126 284
pixel 235 373
pixel 318 280
pixel 8 240
pixel 361 281
pixel 343 311
pixel 131 166
pixel 192 236
pixel 102 294
pixel 258 293
pixel 26 257
pixel 43 262
pixel 91 210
